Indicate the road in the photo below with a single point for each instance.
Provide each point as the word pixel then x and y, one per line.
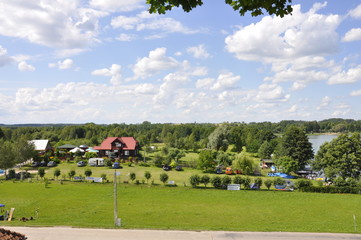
pixel 68 233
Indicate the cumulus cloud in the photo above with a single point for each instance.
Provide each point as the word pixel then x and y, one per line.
pixel 198 51
pixel 271 93
pixel 352 75
pixel 353 35
pixel 226 81
pixel 55 24
pixel 126 37
pixel 114 72
pixel 116 5
pixel 325 102
pixel 356 93
pixel 65 64
pixel 23 66
pixel 296 35
pixel 156 62
pixel 148 22
pixel 4 58
pixel 356 13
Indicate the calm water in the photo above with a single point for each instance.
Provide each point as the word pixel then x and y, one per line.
pixel 318 140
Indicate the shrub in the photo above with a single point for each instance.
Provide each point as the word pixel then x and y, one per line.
pixel 216 182
pixel 132 176
pixel 57 173
pixel 194 180
pixel 238 180
pixel 268 183
pixel 225 181
pixel 246 183
pixel 258 181
pixel 71 174
pixel 301 183
pixel 340 182
pixel 351 182
pixel 88 172
pixel 163 178
pixel 205 179
pixel 147 175
pixel 279 181
pixel 41 172
pixel 103 176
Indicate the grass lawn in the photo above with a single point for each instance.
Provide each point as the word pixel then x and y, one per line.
pixel 162 207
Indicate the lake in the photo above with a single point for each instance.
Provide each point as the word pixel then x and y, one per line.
pixel 318 140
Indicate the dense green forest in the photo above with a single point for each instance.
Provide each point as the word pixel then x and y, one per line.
pixel 189 136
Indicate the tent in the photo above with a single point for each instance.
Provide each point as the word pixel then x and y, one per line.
pixel 67 146
pixel 91 150
pixel 76 149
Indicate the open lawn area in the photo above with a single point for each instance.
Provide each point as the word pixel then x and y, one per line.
pixel 163 207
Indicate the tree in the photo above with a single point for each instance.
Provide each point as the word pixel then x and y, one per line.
pixel 294 143
pixel 7 155
pixel 147 175
pixel 277 7
pixel 41 172
pixel 206 160
pixel 132 176
pixel 226 180
pixel 258 181
pixel 205 179
pixel 216 182
pixel 194 180
pixel 287 164
pixel 163 177
pixel 218 139
pixel 175 154
pixel 88 172
pixel 57 173
pixel 268 183
pixel 244 163
pixel 71 174
pixel 340 157
pixel 223 158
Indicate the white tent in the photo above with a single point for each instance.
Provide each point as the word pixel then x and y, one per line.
pixel 77 149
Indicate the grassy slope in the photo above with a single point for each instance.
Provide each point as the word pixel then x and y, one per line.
pixel 159 207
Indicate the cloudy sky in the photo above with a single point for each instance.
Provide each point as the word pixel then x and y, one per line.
pixel 110 61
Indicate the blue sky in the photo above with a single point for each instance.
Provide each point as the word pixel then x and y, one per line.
pixel 110 61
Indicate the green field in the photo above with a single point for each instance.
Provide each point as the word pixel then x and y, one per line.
pixel 163 207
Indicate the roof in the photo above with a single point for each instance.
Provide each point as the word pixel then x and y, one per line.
pixel 129 143
pixel 9 235
pixel 40 145
pixel 67 146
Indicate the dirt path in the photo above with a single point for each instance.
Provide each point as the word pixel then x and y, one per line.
pixel 67 233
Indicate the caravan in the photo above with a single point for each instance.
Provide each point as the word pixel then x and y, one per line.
pixel 96 162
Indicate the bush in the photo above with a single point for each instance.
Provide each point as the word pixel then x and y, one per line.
pixel 238 180
pixel 88 172
pixel 132 176
pixel 194 180
pixel 332 189
pixel 279 181
pixel 225 181
pixel 268 183
pixel 246 183
pixel 205 179
pixel 147 175
pixel 258 182
pixel 163 178
pixel 41 172
pixel 216 182
pixel 302 183
pixel 340 182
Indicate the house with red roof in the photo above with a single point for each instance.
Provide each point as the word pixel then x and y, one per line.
pixel 118 147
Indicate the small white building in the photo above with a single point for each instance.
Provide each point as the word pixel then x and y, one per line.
pixel 41 146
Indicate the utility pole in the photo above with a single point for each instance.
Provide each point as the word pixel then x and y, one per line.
pixel 116 219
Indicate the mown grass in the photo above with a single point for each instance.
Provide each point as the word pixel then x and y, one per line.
pixel 162 207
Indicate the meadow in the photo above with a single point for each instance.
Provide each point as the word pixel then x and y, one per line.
pixel 149 206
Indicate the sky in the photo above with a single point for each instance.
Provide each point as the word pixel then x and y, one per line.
pixel 110 61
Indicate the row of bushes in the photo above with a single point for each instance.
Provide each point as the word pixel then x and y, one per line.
pixel 331 189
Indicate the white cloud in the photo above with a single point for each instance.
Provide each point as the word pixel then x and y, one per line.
pixel 296 35
pixel 156 62
pixel 126 37
pixel 65 64
pixel 204 83
pixel 198 51
pixel 52 23
pixel 114 72
pixel 23 66
pixel 352 75
pixel 271 93
pixel 293 109
pixel 356 93
pixel 151 22
pixel 356 13
pixel 116 5
pixel 353 35
pixel 226 81
pixel 4 58
pixel 169 88
pixel 325 102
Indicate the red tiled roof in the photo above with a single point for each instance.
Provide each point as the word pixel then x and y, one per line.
pixel 9 235
pixel 129 143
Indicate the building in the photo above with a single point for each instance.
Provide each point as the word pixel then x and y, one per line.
pixel 118 147
pixel 42 146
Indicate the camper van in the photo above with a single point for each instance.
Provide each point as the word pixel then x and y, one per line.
pixel 96 162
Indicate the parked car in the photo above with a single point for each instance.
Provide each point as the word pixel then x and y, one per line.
pixel 116 165
pixel 51 164
pixel 81 164
pixel 36 164
pixel 43 164
pixel 229 171
pixel 179 168
pixel 219 171
pixel 167 168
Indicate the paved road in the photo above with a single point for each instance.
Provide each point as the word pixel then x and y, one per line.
pixel 67 233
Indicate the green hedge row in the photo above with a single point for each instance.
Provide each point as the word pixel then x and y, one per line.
pixel 331 189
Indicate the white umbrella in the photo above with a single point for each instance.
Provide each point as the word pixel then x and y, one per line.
pixel 74 150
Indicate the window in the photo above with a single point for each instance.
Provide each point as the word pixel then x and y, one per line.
pixel 126 153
